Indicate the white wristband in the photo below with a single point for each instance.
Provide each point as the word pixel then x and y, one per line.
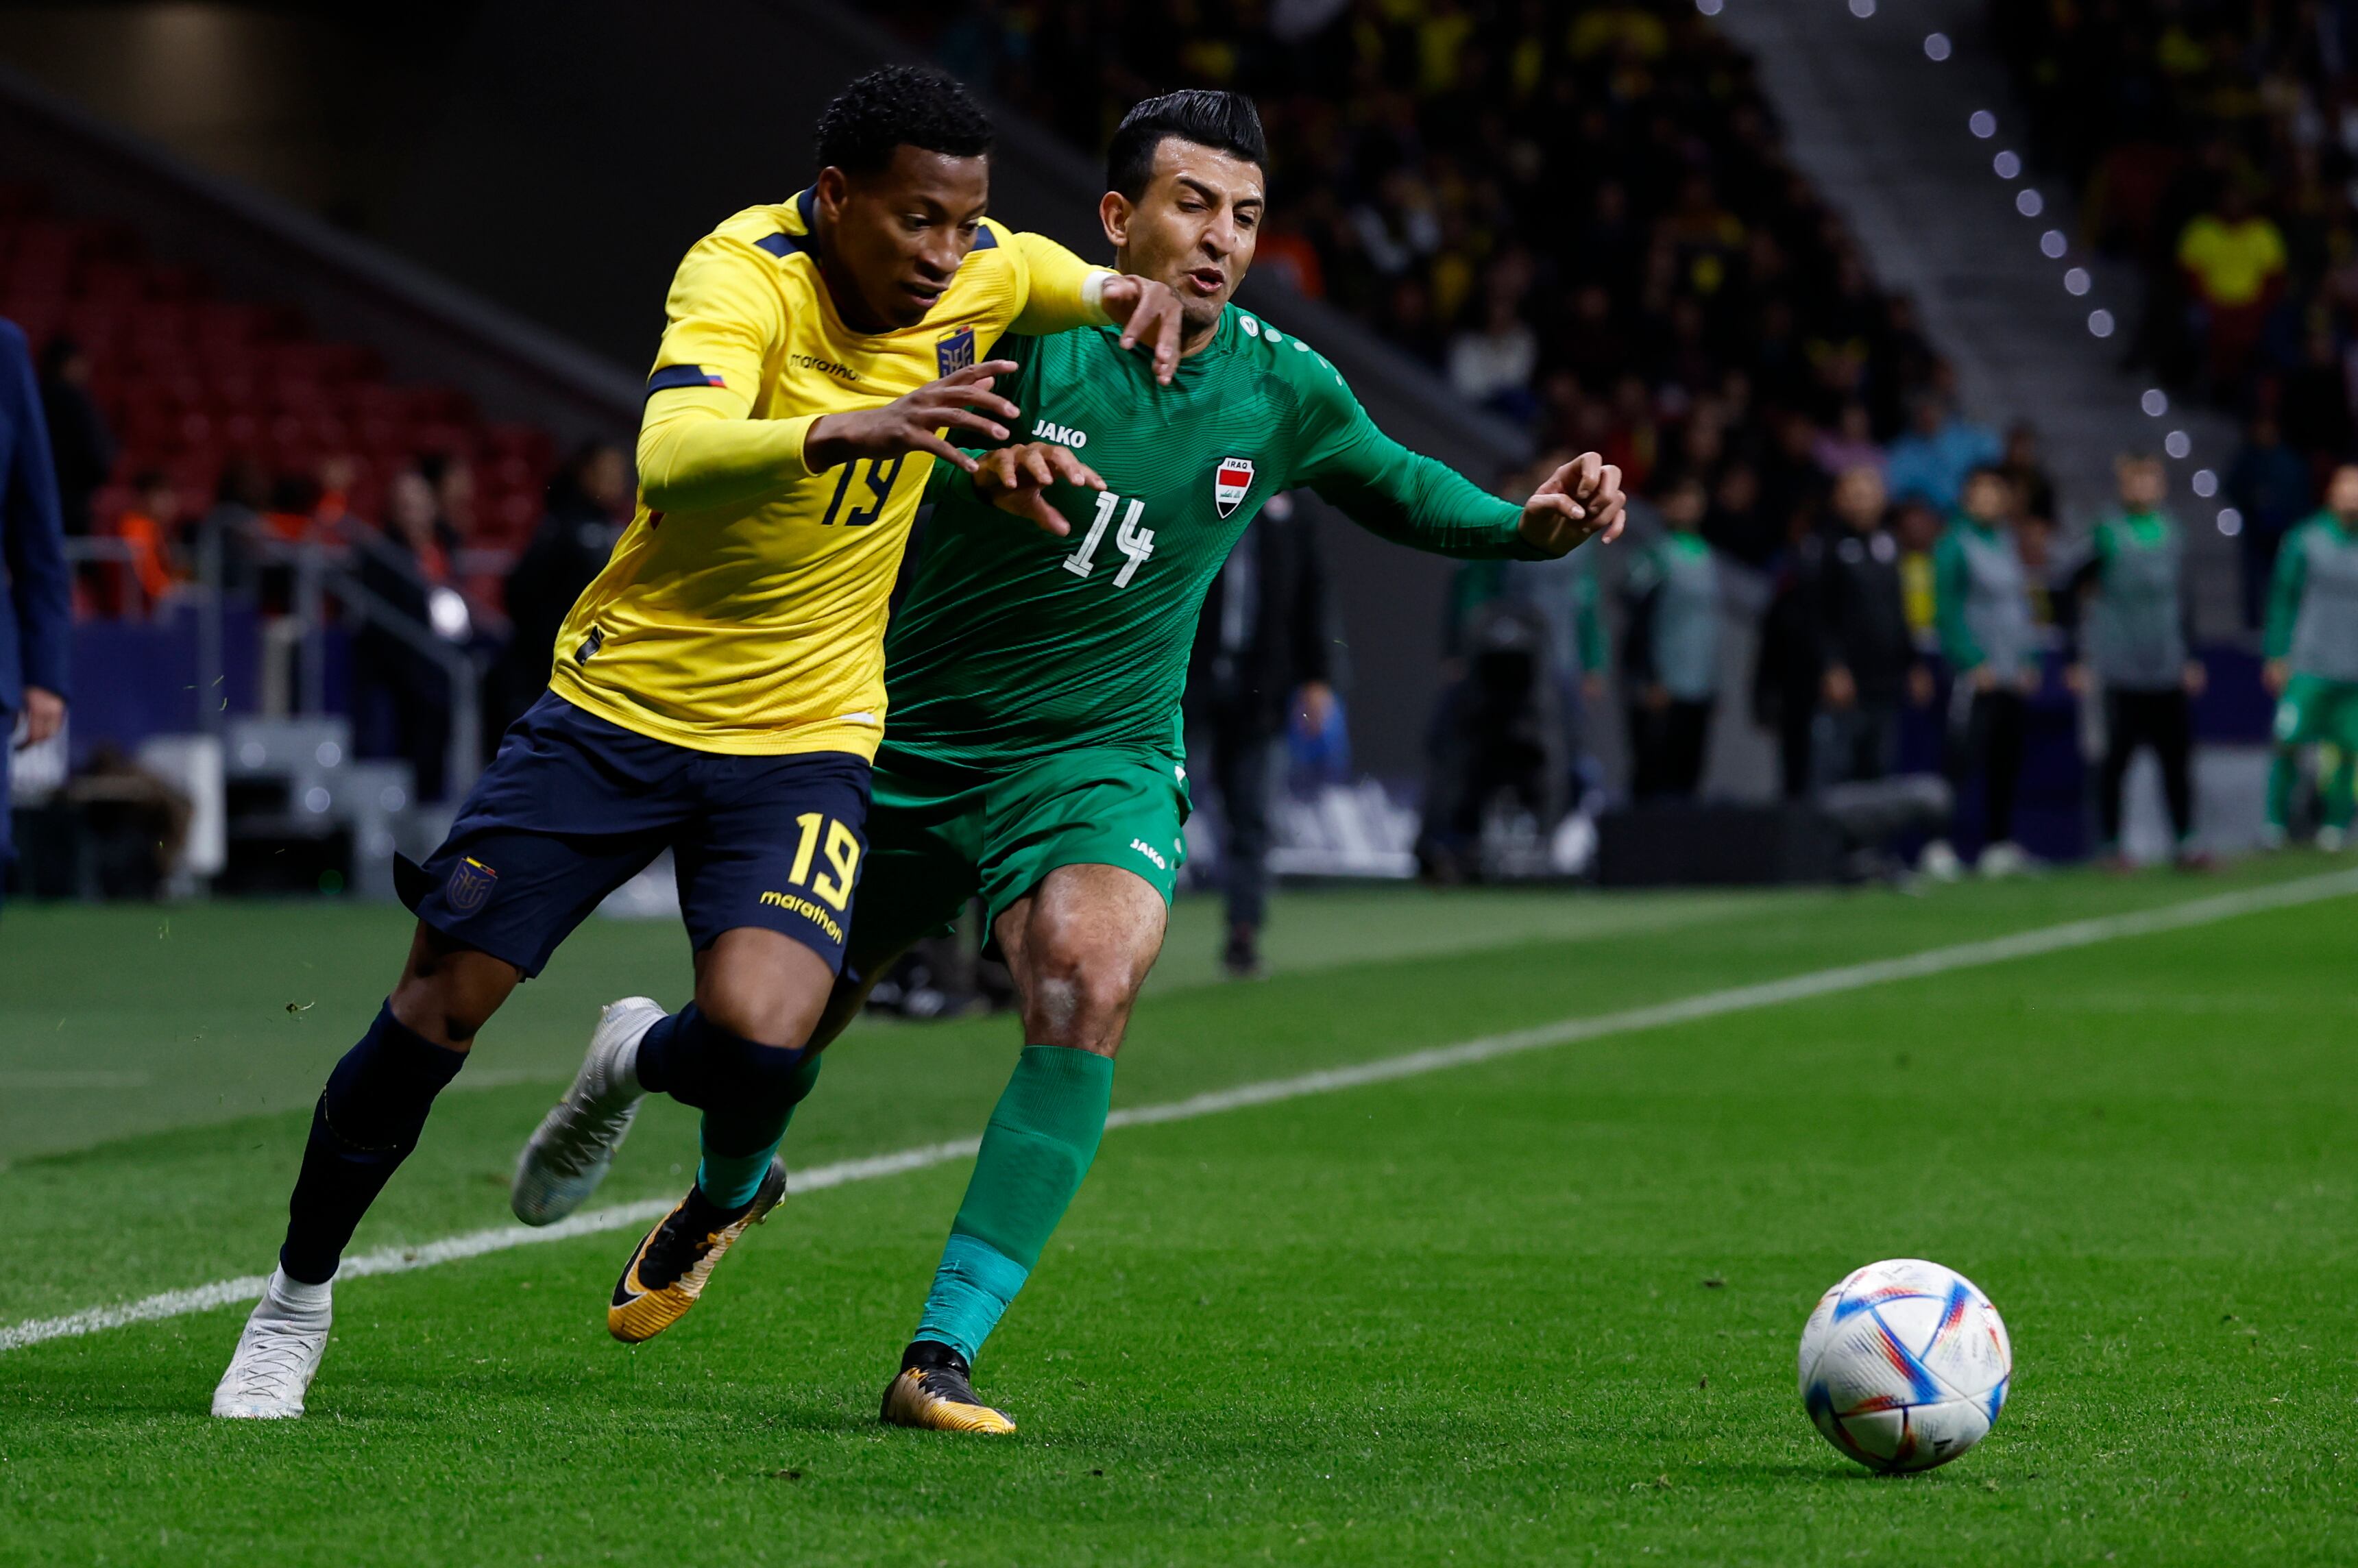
pixel 1093 294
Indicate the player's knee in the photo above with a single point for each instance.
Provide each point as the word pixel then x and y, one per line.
pixel 1080 994
pixel 448 1001
pixel 776 1018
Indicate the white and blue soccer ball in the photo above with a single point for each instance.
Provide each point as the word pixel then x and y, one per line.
pixel 1905 1365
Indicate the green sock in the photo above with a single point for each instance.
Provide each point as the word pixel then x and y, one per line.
pixel 2284 773
pixel 2339 788
pixel 731 1179
pixel 1035 1151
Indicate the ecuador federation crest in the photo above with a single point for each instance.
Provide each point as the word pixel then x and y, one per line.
pixel 470 885
pixel 955 352
pixel 1230 481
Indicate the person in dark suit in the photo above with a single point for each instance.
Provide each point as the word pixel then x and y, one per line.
pixel 37 610
pixel 81 447
pixel 1263 641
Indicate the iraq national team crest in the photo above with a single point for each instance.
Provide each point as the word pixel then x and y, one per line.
pixel 955 352
pixel 471 883
pixel 1230 481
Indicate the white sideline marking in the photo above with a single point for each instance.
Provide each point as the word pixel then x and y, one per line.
pixel 1566 1032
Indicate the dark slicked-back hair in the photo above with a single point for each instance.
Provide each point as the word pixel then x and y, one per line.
pixel 1226 121
pixel 901 105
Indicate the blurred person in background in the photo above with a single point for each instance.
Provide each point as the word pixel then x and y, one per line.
pixel 2311 646
pixel 1916 528
pixel 2132 605
pixel 1850 445
pixel 589 499
pixel 150 528
pixel 1669 649
pixel 451 478
pixel 1929 462
pixel 2034 541
pixel 2034 489
pixel 1789 665
pixel 1264 651
pixel 2268 484
pixel 401 696
pixel 1869 662
pixel 1982 602
pixel 82 447
pixel 1563 596
pixel 2232 259
pixel 37 610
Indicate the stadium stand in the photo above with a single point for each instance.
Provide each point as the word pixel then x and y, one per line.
pixel 2213 145
pixel 1587 220
pixel 224 398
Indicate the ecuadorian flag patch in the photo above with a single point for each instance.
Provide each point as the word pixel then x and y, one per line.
pixel 670 376
pixel 955 352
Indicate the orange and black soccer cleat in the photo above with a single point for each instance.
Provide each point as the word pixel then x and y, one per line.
pixel 934 1390
pixel 673 1262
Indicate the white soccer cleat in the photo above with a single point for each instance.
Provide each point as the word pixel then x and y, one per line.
pixel 1940 861
pixel 569 1152
pixel 278 1354
pixel 2272 836
pixel 2331 840
pixel 2004 859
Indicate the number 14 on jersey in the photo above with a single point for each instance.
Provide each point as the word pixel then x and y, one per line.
pixel 1132 540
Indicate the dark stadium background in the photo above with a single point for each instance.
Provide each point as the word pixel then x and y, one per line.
pixel 489 197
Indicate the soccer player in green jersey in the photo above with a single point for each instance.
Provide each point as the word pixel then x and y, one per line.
pixel 2311 642
pixel 1031 751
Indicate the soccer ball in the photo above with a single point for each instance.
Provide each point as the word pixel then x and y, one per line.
pixel 1905 1365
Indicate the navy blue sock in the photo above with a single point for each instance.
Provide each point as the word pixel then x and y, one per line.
pixel 747 1090
pixel 366 1122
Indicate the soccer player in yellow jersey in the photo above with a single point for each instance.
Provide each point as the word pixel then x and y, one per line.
pixel 717 692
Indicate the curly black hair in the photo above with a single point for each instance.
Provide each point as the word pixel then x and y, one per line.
pixel 1224 120
pixel 901 105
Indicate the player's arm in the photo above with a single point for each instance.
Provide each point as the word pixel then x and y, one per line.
pixel 2286 586
pixel 1062 292
pixel 1413 499
pixel 1949 585
pixel 698 446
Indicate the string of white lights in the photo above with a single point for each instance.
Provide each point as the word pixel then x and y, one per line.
pixel 2056 245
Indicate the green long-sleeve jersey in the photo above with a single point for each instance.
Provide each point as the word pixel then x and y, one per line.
pixel 2313 600
pixel 1013 642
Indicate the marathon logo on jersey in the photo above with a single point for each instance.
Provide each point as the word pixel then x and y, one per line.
pixel 955 352
pixel 470 886
pixel 1230 481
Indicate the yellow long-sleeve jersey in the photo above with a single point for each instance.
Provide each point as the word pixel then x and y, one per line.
pixel 743 608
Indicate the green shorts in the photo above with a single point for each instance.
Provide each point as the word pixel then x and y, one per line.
pixel 939 834
pixel 2314 709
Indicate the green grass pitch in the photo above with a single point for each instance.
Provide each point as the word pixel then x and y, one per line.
pixel 1541 1309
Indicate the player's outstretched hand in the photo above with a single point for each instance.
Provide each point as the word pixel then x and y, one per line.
pixel 1148 313
pixel 1580 501
pixel 960 401
pixel 1016 479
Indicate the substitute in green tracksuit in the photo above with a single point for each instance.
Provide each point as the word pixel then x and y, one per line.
pixel 2311 642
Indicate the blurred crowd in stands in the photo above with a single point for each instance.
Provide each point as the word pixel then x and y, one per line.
pixel 168 407
pixel 1583 220
pixel 2214 143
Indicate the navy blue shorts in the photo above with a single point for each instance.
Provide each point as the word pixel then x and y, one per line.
pixel 574 806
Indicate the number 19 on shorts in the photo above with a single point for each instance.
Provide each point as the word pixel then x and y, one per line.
pixel 1132 540
pixel 842 846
